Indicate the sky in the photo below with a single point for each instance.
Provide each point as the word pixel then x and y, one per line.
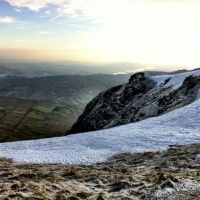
pixel 160 32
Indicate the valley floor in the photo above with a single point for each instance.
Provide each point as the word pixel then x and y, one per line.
pixel 171 174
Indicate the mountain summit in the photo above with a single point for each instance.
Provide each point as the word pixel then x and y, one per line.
pixel 142 97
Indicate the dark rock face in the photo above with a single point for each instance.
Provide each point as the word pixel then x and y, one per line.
pixel 139 99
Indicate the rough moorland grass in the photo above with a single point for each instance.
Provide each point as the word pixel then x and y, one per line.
pixel 124 176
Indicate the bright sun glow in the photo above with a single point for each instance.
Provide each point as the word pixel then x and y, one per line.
pixel 165 33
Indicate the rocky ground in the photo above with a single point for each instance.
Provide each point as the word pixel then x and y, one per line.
pixel 172 174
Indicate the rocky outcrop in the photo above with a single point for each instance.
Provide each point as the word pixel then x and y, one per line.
pixel 139 99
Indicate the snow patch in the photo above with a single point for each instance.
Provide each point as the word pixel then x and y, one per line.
pixel 176 80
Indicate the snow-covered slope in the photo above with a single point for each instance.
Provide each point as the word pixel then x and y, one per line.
pixel 181 126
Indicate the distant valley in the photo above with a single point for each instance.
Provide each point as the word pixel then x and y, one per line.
pixel 32 108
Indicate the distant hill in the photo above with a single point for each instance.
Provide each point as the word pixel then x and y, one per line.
pixel 72 68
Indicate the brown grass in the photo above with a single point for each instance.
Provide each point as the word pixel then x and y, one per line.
pixel 124 176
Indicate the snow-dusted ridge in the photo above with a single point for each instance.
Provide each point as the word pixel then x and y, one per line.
pixel 181 126
pixel 176 79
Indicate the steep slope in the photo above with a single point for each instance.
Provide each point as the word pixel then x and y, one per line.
pixel 32 108
pixel 180 126
pixel 142 97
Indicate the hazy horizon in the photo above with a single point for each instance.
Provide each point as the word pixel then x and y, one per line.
pixel 32 69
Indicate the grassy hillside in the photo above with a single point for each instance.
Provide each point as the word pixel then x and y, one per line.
pixel 32 108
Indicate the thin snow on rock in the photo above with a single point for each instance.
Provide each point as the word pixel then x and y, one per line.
pixel 198 157
pixel 176 79
pixel 181 126
pixel 187 188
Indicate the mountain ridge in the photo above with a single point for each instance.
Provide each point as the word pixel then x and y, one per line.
pixel 139 99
